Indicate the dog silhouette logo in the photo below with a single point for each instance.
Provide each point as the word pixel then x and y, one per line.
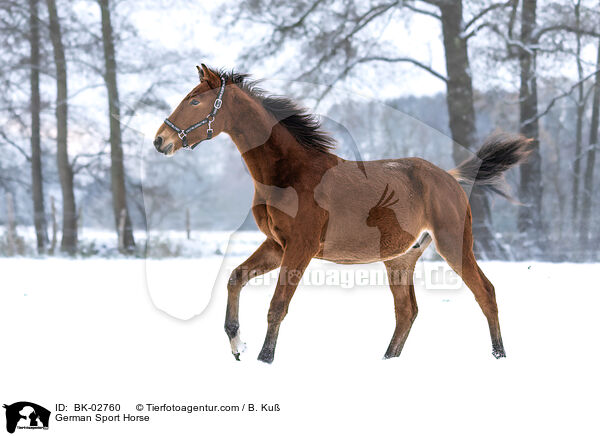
pixel 26 415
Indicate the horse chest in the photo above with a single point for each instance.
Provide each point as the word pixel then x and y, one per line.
pixel 270 223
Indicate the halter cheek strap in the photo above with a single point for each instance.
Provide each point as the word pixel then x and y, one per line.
pixel 182 133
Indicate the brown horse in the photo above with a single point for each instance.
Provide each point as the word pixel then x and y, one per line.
pixel 311 203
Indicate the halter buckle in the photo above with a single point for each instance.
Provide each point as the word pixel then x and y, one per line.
pixel 218 103
pixel 209 130
pixel 181 135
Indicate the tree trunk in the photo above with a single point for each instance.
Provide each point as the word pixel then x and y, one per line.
pixel 11 226
pixel 37 188
pixel 80 221
pixel 588 182
pixel 579 121
pixel 122 224
pixel 530 189
pixel 577 159
pixel 117 170
pixel 461 113
pixel 54 226
pixel 69 216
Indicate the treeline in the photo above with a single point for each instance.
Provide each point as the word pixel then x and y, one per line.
pixel 71 78
pixel 63 62
pixel 483 40
pixel 42 26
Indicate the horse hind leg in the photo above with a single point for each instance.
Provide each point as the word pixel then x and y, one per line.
pixel 457 250
pixel 485 295
pixel 400 275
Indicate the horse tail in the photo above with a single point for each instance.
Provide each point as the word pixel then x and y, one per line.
pixel 499 152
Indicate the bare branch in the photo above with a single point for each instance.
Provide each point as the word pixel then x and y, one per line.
pixel 421 11
pixel 484 11
pixel 404 59
pixel 508 40
pixel 94 158
pixel 558 97
pixel 535 37
pixel 350 66
pixel 361 22
pixel 85 88
pixel 476 30
pixel 300 20
pixel 15 145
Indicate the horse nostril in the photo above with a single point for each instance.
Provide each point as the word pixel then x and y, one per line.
pixel 157 142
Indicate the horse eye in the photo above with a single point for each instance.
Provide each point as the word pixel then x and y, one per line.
pixel 194 102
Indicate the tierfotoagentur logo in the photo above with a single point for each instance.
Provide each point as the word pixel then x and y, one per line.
pixel 24 415
pixel 434 277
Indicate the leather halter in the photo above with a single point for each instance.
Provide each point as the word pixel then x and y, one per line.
pixel 182 133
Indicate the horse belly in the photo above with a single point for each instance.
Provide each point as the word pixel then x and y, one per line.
pixel 349 239
pixel 371 218
pixel 352 250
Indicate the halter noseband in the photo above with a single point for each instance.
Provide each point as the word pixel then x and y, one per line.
pixel 182 133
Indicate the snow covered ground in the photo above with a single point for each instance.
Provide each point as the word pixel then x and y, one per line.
pixel 89 331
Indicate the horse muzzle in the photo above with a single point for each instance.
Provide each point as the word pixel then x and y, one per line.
pixel 160 147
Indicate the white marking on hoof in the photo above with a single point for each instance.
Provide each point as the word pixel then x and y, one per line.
pixel 237 346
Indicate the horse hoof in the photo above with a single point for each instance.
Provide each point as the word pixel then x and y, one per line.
pixel 498 354
pixel 237 346
pixel 266 356
pixel 237 356
pixel 390 353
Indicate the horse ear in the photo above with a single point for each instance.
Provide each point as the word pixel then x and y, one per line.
pixel 200 72
pixel 206 74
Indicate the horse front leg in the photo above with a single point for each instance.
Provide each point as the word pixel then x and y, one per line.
pixel 295 260
pixel 266 258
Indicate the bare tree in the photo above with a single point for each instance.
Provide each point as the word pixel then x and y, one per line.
pixel 580 102
pixel 37 188
pixel 461 113
pixel 117 169
pixel 69 216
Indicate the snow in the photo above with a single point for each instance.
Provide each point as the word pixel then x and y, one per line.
pixel 89 331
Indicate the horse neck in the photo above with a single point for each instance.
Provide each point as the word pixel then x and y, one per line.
pixel 269 150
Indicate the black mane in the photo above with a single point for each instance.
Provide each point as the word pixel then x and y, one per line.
pixel 304 126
